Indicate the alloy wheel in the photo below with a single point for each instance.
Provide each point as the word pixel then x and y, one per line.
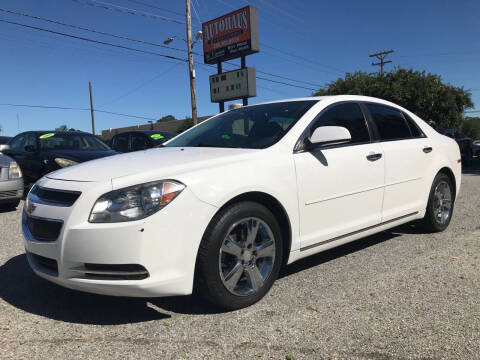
pixel 442 202
pixel 247 256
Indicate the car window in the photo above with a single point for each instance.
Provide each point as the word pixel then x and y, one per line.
pixel 389 121
pixel 138 142
pixel 30 140
pixel 414 128
pixel 16 144
pixel 347 115
pixel 120 142
pixel 250 127
pixel 70 141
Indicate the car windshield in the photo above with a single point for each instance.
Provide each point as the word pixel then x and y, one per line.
pixel 56 141
pixel 252 127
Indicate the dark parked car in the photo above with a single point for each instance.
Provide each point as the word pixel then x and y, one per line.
pixel 464 143
pixel 139 140
pixel 4 139
pixel 40 152
pixel 11 181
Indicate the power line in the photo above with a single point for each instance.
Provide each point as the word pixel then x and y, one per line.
pixel 95 41
pixel 139 50
pixel 260 78
pixel 117 8
pixel 74 108
pixel 155 7
pixel 91 30
pixel 138 41
pixel 139 86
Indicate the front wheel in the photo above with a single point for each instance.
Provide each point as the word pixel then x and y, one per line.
pixel 240 256
pixel 440 204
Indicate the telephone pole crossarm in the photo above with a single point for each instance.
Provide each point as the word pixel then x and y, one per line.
pixel 381 56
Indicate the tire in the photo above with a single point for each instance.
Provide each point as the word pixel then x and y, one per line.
pixel 436 219
pixel 468 158
pixel 218 257
pixel 10 205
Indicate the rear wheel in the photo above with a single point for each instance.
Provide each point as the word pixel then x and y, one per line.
pixel 440 204
pixel 240 256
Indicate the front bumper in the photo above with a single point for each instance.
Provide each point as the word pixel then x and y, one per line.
pixel 164 244
pixel 11 190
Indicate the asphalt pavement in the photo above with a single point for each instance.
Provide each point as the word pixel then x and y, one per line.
pixel 400 294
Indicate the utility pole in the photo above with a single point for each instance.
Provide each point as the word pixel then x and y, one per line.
pixel 91 107
pixel 381 56
pixel 190 64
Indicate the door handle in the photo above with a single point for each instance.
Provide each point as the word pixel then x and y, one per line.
pixel 427 149
pixel 374 157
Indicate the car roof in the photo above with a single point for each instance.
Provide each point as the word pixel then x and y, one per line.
pixel 332 97
pixel 58 132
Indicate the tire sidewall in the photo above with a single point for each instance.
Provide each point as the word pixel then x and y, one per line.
pixel 220 226
pixel 435 226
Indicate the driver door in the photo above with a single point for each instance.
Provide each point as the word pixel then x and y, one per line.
pixel 340 187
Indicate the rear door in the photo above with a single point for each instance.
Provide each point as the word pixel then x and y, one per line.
pixel 340 187
pixel 407 155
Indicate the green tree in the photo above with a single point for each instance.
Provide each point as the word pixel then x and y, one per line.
pixel 471 127
pixel 166 118
pixel 422 93
pixel 62 128
pixel 187 124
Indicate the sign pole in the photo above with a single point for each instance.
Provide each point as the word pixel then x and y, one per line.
pixel 91 107
pixel 243 65
pixel 221 104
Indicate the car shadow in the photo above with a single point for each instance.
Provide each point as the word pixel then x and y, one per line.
pixel 21 288
pixel 7 209
pixel 340 251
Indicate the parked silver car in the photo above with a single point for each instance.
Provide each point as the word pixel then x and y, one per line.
pixel 11 181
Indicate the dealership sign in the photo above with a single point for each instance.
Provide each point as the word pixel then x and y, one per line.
pixel 231 35
pixel 231 85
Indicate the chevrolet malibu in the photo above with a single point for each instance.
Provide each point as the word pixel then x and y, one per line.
pixel 222 207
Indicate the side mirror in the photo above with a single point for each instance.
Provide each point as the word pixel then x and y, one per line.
pixel 329 135
pixel 29 148
pixel 4 148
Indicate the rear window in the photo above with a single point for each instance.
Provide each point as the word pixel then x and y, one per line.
pixel 390 122
pixel 414 128
pixel 67 141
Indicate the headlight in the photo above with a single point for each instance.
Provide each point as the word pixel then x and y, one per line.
pixel 65 162
pixel 135 202
pixel 14 171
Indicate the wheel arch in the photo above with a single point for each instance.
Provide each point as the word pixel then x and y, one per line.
pixel 446 170
pixel 278 210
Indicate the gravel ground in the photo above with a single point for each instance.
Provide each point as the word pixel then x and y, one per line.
pixel 400 294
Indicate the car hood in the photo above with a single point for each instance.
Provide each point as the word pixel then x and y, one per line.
pixel 80 155
pixel 157 162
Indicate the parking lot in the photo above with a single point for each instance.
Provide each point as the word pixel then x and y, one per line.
pixel 396 295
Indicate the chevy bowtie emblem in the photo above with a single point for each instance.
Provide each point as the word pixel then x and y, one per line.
pixel 30 206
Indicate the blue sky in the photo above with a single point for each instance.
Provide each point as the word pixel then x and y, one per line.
pixel 326 40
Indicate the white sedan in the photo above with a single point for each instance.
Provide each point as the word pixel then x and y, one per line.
pixel 222 207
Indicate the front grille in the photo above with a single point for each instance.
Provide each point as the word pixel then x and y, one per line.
pixel 8 194
pixel 113 271
pixel 44 229
pixel 54 196
pixel 43 264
